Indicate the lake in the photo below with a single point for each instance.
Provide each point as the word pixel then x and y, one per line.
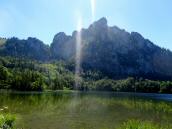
pixel 85 110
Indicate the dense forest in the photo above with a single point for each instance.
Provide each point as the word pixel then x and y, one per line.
pixel 30 75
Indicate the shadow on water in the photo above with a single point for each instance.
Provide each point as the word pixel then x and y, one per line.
pixel 85 110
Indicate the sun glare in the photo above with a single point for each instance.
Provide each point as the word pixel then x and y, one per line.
pixel 93 7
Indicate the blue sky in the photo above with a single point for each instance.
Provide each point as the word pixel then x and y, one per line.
pixel 44 18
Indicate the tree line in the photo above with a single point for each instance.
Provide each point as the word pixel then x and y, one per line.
pixel 30 75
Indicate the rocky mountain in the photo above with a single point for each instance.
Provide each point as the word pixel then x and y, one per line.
pixel 31 48
pixel 111 50
pixel 60 47
pixel 116 53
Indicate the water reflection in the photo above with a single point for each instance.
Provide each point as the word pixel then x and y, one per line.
pixel 88 110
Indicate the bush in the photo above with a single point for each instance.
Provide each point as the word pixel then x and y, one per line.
pixel 7 121
pixel 137 124
pixel 166 87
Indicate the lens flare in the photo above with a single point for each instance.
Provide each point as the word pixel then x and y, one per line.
pixel 78 53
pixel 93 7
pixel 79 24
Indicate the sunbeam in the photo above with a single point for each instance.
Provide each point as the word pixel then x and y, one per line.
pixel 78 52
pixel 93 7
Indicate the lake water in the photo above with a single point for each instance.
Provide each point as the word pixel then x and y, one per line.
pixel 85 110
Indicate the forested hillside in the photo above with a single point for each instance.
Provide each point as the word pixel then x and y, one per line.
pixel 29 75
pixel 114 52
pixel 112 60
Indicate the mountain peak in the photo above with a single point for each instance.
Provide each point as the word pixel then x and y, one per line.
pixel 60 34
pixel 60 37
pixel 100 23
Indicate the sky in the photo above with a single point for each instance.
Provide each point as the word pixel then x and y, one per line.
pixel 45 18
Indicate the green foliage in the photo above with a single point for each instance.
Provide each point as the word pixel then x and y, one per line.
pixel 2 41
pixel 29 75
pixel 58 83
pixel 166 87
pixel 137 124
pixel 7 121
pixel 4 73
pixel 130 85
pixel 104 85
pixel 27 80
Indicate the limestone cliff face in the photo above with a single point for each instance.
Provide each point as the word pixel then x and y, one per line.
pixel 118 53
pixel 59 47
pixel 111 50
